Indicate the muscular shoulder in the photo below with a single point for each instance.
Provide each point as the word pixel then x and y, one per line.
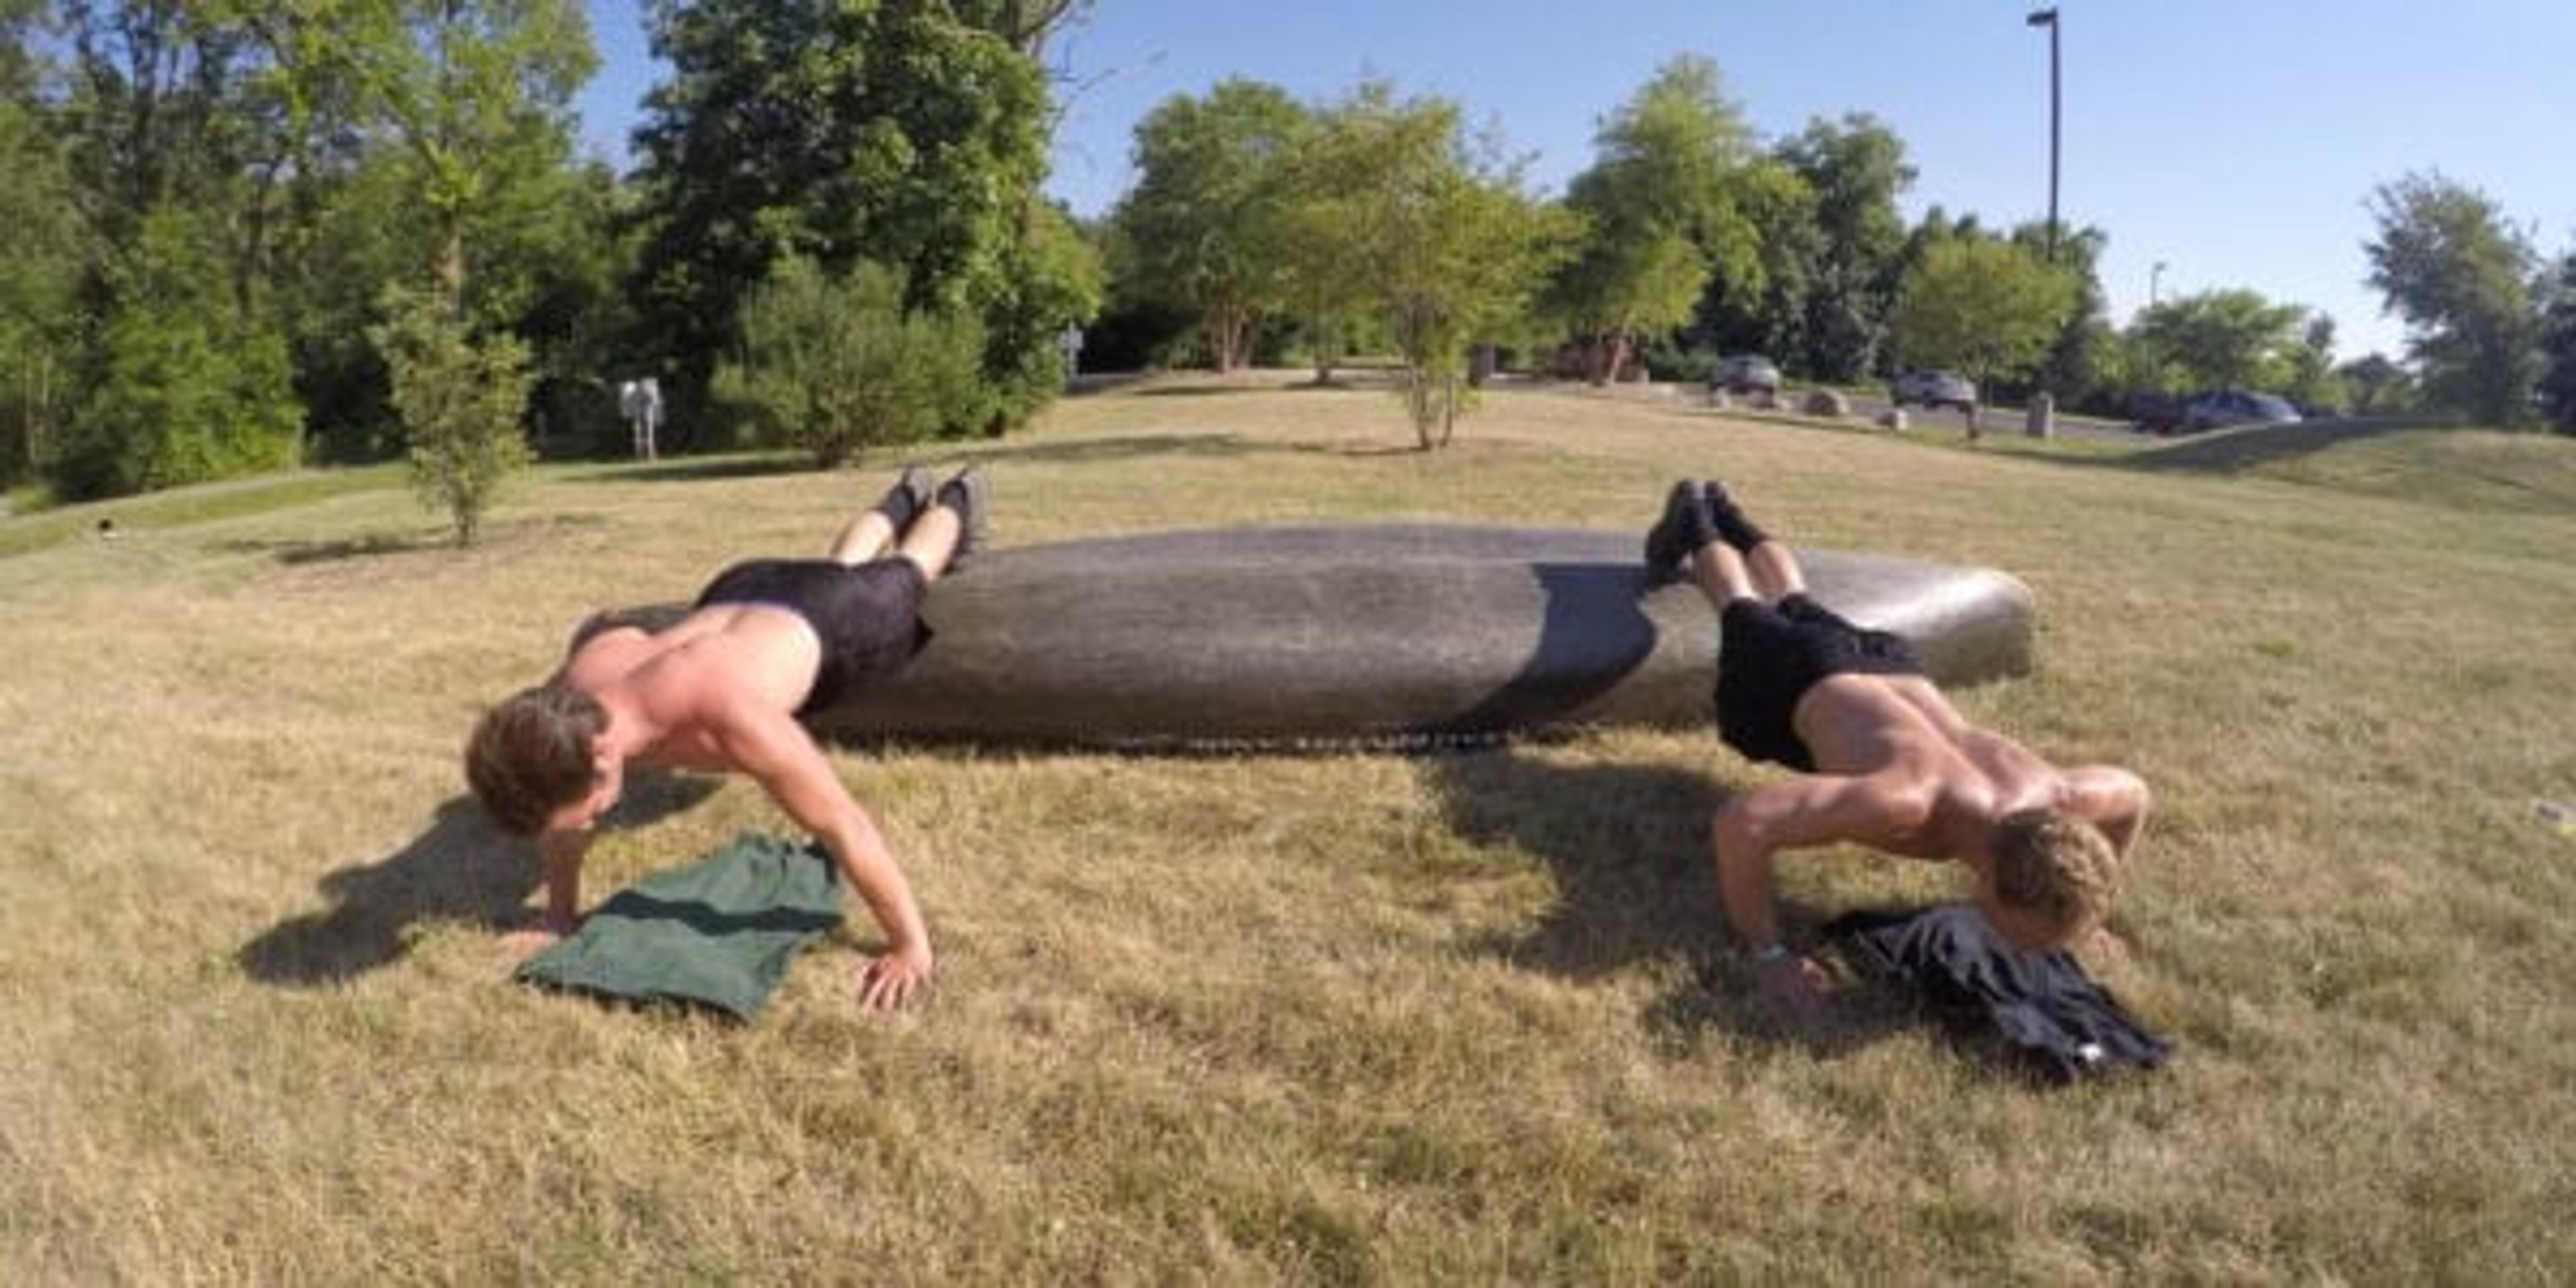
pixel 2102 791
pixel 600 658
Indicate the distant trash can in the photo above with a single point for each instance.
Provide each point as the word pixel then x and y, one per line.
pixel 2042 419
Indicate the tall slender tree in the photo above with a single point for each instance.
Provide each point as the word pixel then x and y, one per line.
pixel 1215 205
pixel 2461 276
pixel 1855 169
pixel 2558 349
pixel 1660 214
pixel 1452 241
pixel 41 273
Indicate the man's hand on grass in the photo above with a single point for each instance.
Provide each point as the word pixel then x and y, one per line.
pixel 888 983
pixel 1797 986
pixel 529 940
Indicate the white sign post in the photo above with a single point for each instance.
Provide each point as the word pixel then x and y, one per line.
pixel 640 401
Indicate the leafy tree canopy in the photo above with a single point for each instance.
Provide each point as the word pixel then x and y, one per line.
pixel 2461 276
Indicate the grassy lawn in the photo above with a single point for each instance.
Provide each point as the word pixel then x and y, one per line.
pixel 1337 1018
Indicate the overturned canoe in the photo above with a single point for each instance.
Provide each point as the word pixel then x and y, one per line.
pixel 1365 635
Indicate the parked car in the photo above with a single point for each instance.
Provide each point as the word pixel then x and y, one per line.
pixel 1933 389
pixel 2220 408
pixel 1744 374
pixel 2154 411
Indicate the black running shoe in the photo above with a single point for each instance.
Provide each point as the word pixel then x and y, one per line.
pixel 1683 528
pixel 965 492
pixel 1727 521
pixel 910 495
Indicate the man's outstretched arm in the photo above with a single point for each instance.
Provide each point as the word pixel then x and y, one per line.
pixel 778 754
pixel 2115 799
pixel 1751 830
pixel 562 852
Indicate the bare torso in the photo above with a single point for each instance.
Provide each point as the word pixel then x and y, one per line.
pixel 1899 731
pixel 722 662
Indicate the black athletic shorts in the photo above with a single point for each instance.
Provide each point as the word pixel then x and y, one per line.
pixel 1767 659
pixel 868 615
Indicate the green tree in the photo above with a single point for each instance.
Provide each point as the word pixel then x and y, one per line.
pixel 40 278
pixel 2558 350
pixel 2377 384
pixel 2305 372
pixel 187 390
pixel 1761 304
pixel 1986 308
pixel 475 95
pixel 1215 201
pixel 1659 215
pixel 2461 276
pixel 2078 367
pixel 830 366
pixel 460 396
pixel 2223 338
pixel 904 132
pixel 1327 184
pixel 171 149
pixel 1855 170
pixel 1453 244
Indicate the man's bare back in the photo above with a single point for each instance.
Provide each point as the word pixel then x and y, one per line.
pixel 720 664
pixel 1901 733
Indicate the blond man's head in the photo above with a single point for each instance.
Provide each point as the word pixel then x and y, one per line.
pixel 2049 879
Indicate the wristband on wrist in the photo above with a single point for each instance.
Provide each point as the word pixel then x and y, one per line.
pixel 1769 953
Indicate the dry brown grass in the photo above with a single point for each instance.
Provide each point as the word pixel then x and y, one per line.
pixel 1340 1018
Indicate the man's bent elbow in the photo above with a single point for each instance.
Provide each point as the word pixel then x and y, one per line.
pixel 1736 832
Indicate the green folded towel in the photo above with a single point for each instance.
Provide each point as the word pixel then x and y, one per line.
pixel 717 933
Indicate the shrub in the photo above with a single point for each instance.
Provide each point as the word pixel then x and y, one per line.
pixel 833 365
pixel 460 397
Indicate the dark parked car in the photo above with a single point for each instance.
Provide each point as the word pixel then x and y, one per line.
pixel 2220 408
pixel 1933 389
pixel 2156 412
pixel 1745 374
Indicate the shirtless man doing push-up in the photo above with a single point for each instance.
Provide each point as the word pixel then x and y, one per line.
pixel 721 690
pixel 1883 759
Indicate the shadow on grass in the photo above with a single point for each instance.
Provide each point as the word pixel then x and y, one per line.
pixel 1199 445
pixel 702 469
pixel 293 553
pixel 460 870
pixel 1628 846
pixel 1197 391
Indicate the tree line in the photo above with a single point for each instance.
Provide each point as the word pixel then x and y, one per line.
pixel 1252 234
pixel 248 234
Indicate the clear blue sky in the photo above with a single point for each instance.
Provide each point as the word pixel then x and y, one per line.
pixel 2236 141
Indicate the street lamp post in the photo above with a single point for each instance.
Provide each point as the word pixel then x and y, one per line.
pixel 2155 284
pixel 2043 407
pixel 2048 18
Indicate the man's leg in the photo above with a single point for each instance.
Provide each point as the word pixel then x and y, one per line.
pixel 1771 566
pixel 1704 534
pixel 953 525
pixel 867 536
